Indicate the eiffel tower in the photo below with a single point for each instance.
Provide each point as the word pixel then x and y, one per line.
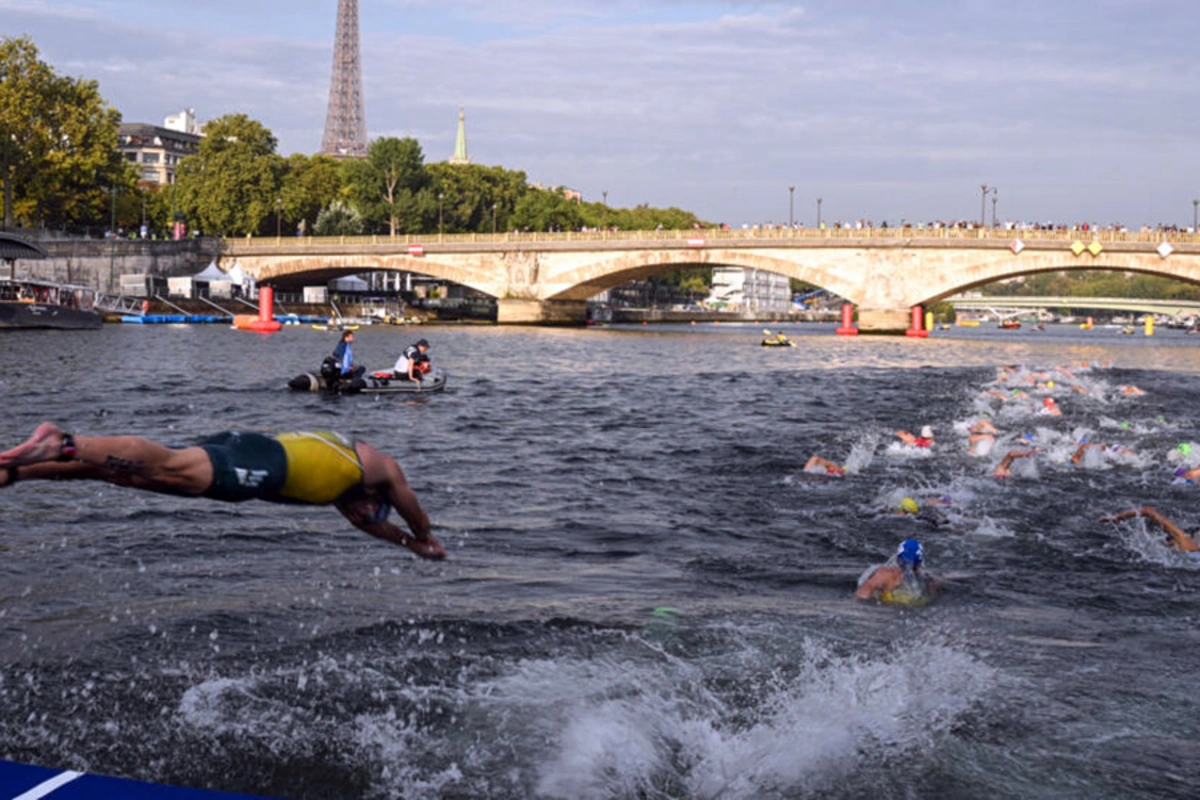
pixel 345 121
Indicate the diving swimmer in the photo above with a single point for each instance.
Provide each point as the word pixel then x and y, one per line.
pixel 307 468
pixel 901 580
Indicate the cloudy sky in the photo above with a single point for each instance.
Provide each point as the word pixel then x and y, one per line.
pixel 887 110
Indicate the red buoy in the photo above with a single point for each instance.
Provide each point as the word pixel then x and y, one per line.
pixel 847 328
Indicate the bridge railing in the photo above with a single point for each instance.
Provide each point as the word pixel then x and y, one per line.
pixel 706 236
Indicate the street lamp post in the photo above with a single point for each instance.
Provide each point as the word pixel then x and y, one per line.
pixel 994 193
pixel 605 193
pixel 1195 210
pixel 278 218
pixel 441 197
pixel 791 207
pixel 983 189
pixel 494 217
pixel 819 199
pixel 112 244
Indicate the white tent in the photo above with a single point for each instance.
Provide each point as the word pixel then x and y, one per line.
pixel 350 283
pixel 211 273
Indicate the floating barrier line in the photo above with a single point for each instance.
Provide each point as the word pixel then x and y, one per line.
pixel 52 785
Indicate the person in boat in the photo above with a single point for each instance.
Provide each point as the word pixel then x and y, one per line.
pixel 1004 468
pixel 924 441
pixel 823 466
pixel 413 362
pixel 343 354
pixel 307 468
pixel 1176 536
pixel 901 580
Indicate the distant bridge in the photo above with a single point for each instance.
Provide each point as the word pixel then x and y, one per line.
pixel 1167 308
pixel 548 277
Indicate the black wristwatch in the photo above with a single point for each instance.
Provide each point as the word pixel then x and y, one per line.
pixel 68 452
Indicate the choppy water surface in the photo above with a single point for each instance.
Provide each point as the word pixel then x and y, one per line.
pixel 582 479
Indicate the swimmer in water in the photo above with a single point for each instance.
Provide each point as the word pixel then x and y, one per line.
pixel 823 466
pixel 1004 468
pixel 1188 476
pixel 901 580
pixel 928 512
pixel 1176 537
pixel 1050 408
pixel 925 440
pixel 306 468
pixel 981 439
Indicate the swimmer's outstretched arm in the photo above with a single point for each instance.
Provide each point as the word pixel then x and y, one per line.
pixel 1179 538
pixel 381 472
pixel 1005 465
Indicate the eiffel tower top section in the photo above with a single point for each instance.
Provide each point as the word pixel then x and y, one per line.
pixel 346 121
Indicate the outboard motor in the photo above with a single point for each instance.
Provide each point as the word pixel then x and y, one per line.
pixel 330 372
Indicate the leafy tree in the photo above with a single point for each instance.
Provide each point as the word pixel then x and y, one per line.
pixel 231 184
pixel 546 210
pixel 58 142
pixel 310 183
pixel 477 198
pixel 339 219
pixel 385 185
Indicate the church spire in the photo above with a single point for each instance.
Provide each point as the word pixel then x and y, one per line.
pixel 460 141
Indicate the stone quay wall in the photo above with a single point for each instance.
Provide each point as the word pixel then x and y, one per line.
pixel 100 263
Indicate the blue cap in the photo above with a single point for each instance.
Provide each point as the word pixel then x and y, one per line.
pixel 910 553
pixel 1027 437
pixel 1179 473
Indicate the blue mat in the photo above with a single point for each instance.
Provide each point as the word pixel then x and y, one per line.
pixel 31 783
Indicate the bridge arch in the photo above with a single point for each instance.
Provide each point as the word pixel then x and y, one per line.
pixel 954 280
pixel 324 267
pixel 587 280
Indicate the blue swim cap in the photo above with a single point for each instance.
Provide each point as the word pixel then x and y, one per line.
pixel 1027 437
pixel 910 553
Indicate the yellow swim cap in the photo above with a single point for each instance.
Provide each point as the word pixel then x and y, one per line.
pixel 909 506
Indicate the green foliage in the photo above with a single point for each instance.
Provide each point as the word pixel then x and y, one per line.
pixel 639 218
pixel 1095 283
pixel 339 219
pixel 230 186
pixel 309 184
pixel 58 142
pixel 546 210
pixel 475 196
pixel 386 185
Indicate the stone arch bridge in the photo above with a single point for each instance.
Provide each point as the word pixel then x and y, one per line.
pixel 547 278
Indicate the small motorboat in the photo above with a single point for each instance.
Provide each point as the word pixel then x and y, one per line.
pixel 1009 325
pixel 778 343
pixel 383 382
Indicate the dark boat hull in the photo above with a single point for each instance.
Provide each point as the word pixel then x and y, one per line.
pixel 309 382
pixel 39 315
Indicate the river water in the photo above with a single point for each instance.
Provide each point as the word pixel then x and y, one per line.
pixel 645 596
